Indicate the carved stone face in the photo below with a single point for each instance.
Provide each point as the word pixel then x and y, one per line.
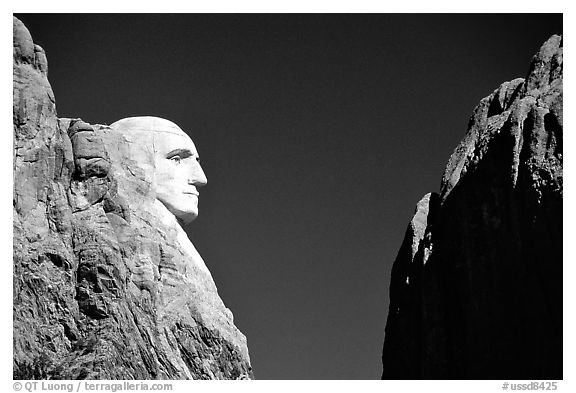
pixel 178 173
pixel 177 170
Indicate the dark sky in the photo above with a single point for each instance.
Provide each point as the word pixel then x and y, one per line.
pixel 318 135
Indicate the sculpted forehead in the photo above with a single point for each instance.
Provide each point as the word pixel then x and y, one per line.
pixel 163 134
pixel 147 124
pixel 167 142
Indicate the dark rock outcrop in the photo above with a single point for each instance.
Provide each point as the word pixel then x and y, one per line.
pixel 476 288
pixel 103 289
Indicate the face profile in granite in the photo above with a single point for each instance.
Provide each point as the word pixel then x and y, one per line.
pixel 175 162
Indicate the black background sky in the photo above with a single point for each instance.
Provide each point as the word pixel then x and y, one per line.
pixel 318 135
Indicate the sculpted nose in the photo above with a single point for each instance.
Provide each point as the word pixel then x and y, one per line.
pixel 198 177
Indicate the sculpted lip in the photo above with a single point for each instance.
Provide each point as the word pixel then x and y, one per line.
pixel 191 193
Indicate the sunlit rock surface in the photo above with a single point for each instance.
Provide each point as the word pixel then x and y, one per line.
pixel 476 288
pixel 107 285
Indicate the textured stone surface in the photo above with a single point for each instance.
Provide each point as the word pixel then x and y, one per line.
pixel 476 289
pixel 106 283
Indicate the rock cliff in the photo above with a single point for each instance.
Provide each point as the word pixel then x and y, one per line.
pixel 106 285
pixel 476 288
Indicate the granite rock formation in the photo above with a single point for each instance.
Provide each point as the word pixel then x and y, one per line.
pixel 103 288
pixel 476 288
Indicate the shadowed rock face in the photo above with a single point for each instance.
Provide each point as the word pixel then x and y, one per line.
pixel 107 285
pixel 476 288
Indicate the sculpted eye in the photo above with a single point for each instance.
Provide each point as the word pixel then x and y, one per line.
pixel 178 155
